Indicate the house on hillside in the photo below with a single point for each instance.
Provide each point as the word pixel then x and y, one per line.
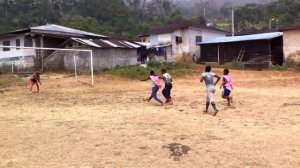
pixel 145 38
pixel 107 53
pixel 46 36
pixel 181 39
pixel 265 48
pixel 291 38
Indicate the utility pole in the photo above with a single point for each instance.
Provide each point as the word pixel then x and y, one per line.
pixel 205 4
pixel 232 20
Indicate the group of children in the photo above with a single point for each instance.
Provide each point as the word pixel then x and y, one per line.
pixel 208 77
pixel 155 82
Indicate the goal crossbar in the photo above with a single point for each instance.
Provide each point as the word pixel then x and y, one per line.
pixel 61 49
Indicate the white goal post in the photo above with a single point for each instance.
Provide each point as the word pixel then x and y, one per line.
pixel 62 49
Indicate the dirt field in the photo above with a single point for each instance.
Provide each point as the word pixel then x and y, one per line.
pixel 73 125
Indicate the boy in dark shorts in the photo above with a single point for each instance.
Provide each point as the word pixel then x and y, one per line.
pixel 168 86
pixel 227 85
pixel 35 80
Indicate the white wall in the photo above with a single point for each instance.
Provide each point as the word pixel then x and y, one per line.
pixel 13 51
pixel 209 34
pixel 291 43
pixel 188 44
pixel 165 38
pixel 205 34
pixel 153 40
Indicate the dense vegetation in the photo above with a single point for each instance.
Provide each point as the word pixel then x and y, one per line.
pixel 129 18
pixel 276 14
pixel 111 17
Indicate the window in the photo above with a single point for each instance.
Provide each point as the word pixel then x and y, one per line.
pixel 198 39
pixel 18 44
pixel 178 40
pixel 6 43
pixel 161 51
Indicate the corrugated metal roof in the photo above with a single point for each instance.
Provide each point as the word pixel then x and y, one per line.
pixel 263 36
pixel 54 29
pixel 86 42
pixel 131 44
pixel 160 45
pixel 58 28
pixel 109 43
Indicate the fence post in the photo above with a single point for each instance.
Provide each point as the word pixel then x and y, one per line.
pixel 12 67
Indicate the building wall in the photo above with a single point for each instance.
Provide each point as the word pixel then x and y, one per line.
pixel 259 51
pixel 291 43
pixel 17 64
pixel 55 62
pixel 188 44
pixel 13 51
pixel 102 58
pixel 164 38
pixel 153 40
pixel 16 60
pixel 179 48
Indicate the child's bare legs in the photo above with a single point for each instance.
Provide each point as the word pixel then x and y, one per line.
pixel 215 108
pixel 31 86
pixel 226 95
pixel 38 87
pixel 206 107
pixel 228 98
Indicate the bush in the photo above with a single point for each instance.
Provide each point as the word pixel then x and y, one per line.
pixel 154 64
pixel 293 61
pixel 283 67
pixel 137 72
pixel 184 62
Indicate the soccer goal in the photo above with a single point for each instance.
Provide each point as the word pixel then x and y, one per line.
pixel 78 61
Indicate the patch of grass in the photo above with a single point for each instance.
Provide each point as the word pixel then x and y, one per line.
pixel 176 69
pixel 9 80
pixel 283 67
pixel 229 65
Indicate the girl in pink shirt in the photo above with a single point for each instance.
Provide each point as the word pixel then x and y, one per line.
pixel 228 87
pixel 155 87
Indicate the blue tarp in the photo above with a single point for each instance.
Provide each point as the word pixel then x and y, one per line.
pixel 263 36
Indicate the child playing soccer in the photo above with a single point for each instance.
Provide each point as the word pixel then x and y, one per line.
pixel 155 87
pixel 208 77
pixel 227 85
pixel 35 80
pixel 168 86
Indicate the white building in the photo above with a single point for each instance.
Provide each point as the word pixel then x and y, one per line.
pixel 181 39
pixel 13 59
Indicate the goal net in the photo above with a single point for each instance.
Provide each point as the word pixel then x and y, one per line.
pixel 79 62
